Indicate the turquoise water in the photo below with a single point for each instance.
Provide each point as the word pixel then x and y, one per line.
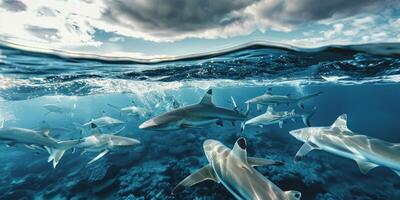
pixel 357 80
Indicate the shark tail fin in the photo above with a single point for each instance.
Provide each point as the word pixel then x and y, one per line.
pixel 307 116
pixel 2 123
pixel 292 195
pixel 56 153
pixel 242 127
pixel 235 107
pixel 301 100
pixel 80 127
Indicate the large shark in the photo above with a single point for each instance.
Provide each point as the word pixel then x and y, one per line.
pixel 104 143
pixel 234 170
pixel 337 139
pixel 272 117
pixel 195 115
pixel 269 99
pixel 36 140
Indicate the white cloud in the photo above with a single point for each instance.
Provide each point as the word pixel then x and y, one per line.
pixel 116 39
pixel 337 29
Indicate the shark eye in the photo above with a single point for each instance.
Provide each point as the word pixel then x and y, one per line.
pixel 242 143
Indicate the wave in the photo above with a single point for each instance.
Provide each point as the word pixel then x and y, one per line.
pixel 27 73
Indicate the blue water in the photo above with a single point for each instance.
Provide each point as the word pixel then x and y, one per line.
pixel 361 81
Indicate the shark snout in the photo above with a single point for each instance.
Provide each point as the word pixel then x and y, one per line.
pixel 148 124
pixel 300 134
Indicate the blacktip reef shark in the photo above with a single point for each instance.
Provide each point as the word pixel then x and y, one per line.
pixel 131 110
pixel 272 117
pixel 269 99
pixel 37 140
pixel 101 122
pixel 196 115
pixel 54 108
pixel 338 139
pixel 234 170
pixel 104 143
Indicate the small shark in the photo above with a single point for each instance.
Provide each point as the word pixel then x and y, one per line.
pixel 269 99
pixel 37 140
pixel 104 143
pixel 337 139
pixel 101 122
pixel 234 170
pixel 271 117
pixel 131 110
pixel 195 115
pixel 54 108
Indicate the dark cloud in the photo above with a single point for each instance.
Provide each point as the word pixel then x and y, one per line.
pixel 166 16
pixel 13 5
pixel 295 12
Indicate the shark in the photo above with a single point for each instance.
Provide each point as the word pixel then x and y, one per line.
pixel 54 108
pixel 131 110
pixel 235 171
pixel 101 122
pixel 338 139
pixel 272 117
pixel 203 113
pixel 104 143
pixel 269 99
pixel 37 140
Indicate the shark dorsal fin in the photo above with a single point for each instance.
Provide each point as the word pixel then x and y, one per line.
pixel 46 132
pixel 340 123
pixel 240 149
pixel 270 109
pixel 207 98
pixel 269 91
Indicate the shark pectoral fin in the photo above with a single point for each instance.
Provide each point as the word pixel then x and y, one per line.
pixel 280 124
pixel 305 149
pixel 262 162
pixel 233 123
pixel 292 195
pixel 99 156
pixel 365 166
pixel 183 125
pixel 397 172
pixel 204 173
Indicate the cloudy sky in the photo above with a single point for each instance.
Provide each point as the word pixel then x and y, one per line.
pixel 153 28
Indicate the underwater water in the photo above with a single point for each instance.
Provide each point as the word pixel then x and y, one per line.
pixel 360 81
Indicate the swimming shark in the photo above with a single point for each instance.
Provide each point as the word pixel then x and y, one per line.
pixel 54 108
pixel 269 99
pixel 104 143
pixel 101 122
pixel 234 170
pixel 36 140
pixel 272 117
pixel 338 139
pixel 196 115
pixel 131 110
